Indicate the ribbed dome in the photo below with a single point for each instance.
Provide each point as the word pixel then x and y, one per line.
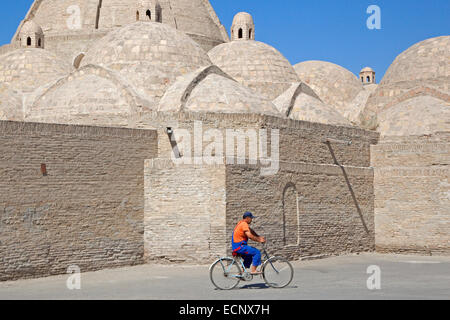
pixel 28 69
pixel 193 17
pixel 425 65
pixel 10 104
pixel 255 65
pixel 335 85
pixel 421 115
pixel 301 103
pixel 91 95
pixel 210 90
pixel 148 55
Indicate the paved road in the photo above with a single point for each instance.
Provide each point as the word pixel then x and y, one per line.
pixel 402 277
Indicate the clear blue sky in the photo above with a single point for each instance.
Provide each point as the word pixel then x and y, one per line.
pixel 331 30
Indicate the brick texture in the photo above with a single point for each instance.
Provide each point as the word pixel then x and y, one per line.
pixel 87 211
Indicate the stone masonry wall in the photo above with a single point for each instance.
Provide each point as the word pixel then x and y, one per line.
pixel 322 218
pixel 184 212
pixel 87 210
pixel 412 195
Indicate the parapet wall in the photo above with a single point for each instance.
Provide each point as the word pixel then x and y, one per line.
pixel 412 194
pixel 300 141
pixel 87 210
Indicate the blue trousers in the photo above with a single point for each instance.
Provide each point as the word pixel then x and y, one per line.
pixel 250 255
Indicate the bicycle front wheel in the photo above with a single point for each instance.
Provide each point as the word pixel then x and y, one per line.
pixel 277 272
pixel 225 274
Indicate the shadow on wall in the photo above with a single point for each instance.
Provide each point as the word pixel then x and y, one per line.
pixel 350 188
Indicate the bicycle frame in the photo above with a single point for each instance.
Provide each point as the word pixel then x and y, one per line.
pixel 241 261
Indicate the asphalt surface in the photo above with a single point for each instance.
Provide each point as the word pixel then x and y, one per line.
pixel 345 277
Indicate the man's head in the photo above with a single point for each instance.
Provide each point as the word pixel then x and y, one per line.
pixel 248 217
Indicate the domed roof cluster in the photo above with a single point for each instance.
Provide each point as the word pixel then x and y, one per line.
pixel 145 65
pixel 425 67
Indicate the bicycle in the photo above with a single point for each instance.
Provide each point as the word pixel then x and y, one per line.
pixel 277 272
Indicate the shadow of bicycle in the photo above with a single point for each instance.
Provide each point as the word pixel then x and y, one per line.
pixel 262 286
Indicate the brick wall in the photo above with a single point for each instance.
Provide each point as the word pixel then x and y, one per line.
pixel 87 211
pixel 184 212
pixel 412 183
pixel 306 209
pixel 300 141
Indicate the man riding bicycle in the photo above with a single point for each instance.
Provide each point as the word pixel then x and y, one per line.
pixel 242 232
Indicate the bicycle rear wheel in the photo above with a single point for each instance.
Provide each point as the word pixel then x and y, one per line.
pixel 225 274
pixel 277 272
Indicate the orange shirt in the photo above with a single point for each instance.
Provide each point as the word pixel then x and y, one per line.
pixel 239 232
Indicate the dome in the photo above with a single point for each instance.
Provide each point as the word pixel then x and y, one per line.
pixel 27 69
pixel 210 90
pixel 300 102
pixel 424 66
pixel 243 27
pixel 91 95
pixel 10 104
pixel 31 27
pixel 194 17
pixel 422 115
pixel 255 65
pixel 243 18
pixel 335 85
pixel 367 69
pixel 149 55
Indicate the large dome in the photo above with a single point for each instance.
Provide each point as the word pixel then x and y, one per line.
pixel 423 67
pixel 28 69
pixel 91 95
pixel 149 55
pixel 255 65
pixel 62 18
pixel 209 90
pixel 335 85
pixel 422 115
pixel 10 104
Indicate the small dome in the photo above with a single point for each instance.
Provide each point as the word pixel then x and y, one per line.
pixel 28 69
pixel 367 69
pixel 255 65
pixel 243 27
pixel 212 91
pixel 425 65
pixel 91 95
pixel 149 55
pixel 30 27
pixel 10 104
pixel 422 115
pixel 243 18
pixel 335 85
pixel 301 103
